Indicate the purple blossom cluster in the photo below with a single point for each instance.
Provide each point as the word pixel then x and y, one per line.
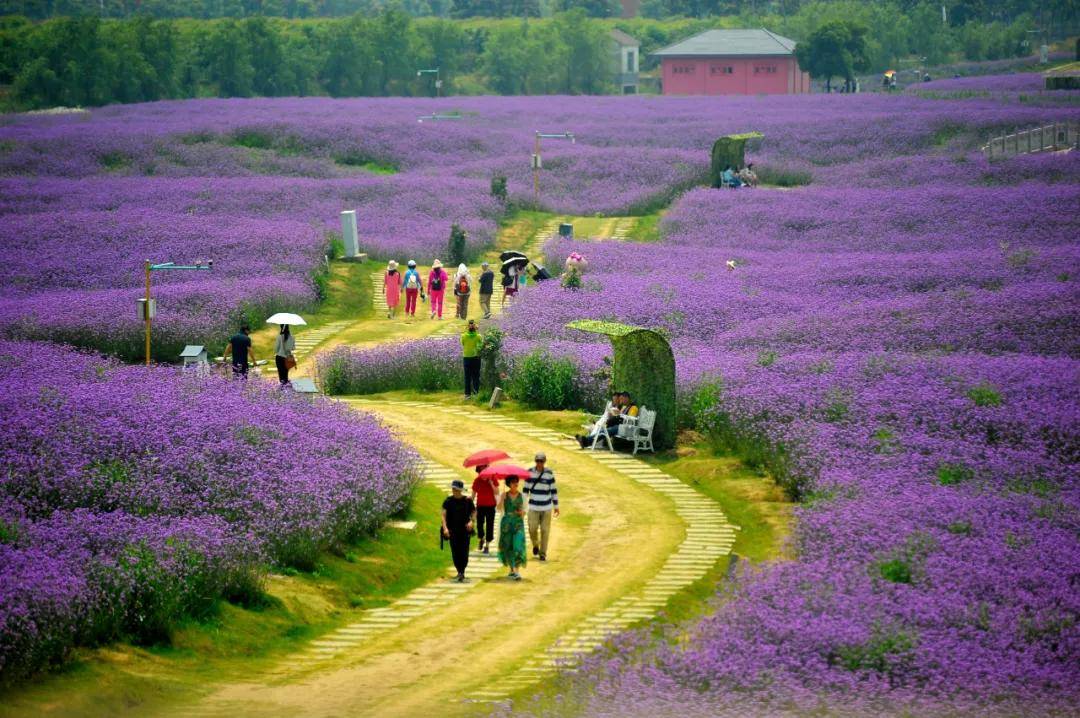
pixel 132 496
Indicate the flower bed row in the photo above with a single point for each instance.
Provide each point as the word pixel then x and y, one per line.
pixel 132 496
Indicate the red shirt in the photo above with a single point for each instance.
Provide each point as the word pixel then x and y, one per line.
pixel 484 489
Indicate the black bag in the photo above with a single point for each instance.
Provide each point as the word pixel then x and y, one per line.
pixel 436 283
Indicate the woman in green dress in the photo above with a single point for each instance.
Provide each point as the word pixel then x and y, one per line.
pixel 512 528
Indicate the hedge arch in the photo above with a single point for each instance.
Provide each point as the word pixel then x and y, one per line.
pixel 729 150
pixel 644 365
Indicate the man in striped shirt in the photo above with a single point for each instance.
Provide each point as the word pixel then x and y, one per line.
pixel 543 502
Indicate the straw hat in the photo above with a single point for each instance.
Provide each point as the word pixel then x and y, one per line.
pixel 392 265
pixel 436 264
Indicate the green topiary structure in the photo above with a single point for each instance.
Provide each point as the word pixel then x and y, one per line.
pixel 729 150
pixel 644 365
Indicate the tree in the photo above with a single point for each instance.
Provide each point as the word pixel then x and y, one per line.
pixel 582 52
pixel 227 59
pixel 836 49
pixel 592 8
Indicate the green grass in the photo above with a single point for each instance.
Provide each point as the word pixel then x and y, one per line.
pixel 348 297
pixel 236 640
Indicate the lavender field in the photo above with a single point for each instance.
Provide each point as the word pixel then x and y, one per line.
pixel 898 344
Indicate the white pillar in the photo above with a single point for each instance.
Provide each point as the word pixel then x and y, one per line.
pixel 348 233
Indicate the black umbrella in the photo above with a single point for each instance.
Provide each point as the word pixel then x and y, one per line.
pixel 540 274
pixel 519 262
pixel 510 253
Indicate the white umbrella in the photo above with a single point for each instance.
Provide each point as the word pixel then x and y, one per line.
pixel 286 318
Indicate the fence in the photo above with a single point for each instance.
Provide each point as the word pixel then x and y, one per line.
pixel 1058 136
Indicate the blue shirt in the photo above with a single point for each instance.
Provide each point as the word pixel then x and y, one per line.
pixel 411 273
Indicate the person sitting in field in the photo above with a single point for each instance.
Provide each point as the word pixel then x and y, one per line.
pixel 747 176
pixel 729 179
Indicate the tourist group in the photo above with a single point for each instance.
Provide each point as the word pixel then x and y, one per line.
pixel 536 503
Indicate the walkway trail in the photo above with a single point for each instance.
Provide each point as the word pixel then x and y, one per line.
pixel 630 538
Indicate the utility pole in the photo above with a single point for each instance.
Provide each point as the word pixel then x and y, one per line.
pixel 537 163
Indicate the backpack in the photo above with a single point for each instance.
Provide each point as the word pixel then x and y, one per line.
pixel 463 286
pixel 436 282
pixel 413 281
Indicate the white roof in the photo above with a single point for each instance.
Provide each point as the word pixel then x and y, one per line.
pixel 730 43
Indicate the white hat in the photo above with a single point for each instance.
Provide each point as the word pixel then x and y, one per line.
pixel 412 262
pixel 392 265
pixel 436 264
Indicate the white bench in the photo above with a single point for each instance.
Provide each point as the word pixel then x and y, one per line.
pixel 635 429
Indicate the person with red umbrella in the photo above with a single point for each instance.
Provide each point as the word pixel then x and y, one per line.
pixel 512 526
pixel 485 494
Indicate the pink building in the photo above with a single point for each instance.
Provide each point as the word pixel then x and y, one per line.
pixel 732 62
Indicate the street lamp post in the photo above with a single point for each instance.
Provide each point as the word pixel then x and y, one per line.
pixel 147 307
pixel 537 163
pixel 438 80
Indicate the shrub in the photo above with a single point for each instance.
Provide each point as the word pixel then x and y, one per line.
pixel 896 570
pixel 498 187
pixel 984 395
pixel 545 382
pixel 950 474
pixel 456 245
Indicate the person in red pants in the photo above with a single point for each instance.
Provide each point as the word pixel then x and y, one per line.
pixel 436 287
pixel 413 286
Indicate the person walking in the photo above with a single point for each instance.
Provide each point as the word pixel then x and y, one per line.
pixel 485 494
pixel 283 354
pixel 392 285
pixel 436 287
pixel 239 347
pixel 413 286
pixel 487 288
pixel 543 502
pixel 458 515
pixel 512 528
pixel 471 341
pixel 462 289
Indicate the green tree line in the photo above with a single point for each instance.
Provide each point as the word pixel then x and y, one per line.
pixel 87 60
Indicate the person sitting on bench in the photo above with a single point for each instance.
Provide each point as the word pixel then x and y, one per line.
pixel 728 178
pixel 621 407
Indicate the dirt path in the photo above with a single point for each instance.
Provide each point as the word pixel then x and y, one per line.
pixel 614 537
pixel 630 537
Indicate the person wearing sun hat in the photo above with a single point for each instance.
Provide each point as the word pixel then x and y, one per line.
pixel 392 287
pixel 458 515
pixel 413 286
pixel 436 287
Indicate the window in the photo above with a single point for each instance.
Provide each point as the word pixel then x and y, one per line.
pixel 631 65
pixel 721 70
pixel 683 69
pixel 764 69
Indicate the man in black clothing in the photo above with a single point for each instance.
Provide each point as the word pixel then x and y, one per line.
pixel 240 348
pixel 458 515
pixel 487 288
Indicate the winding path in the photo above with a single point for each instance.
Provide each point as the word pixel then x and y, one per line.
pixel 629 539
